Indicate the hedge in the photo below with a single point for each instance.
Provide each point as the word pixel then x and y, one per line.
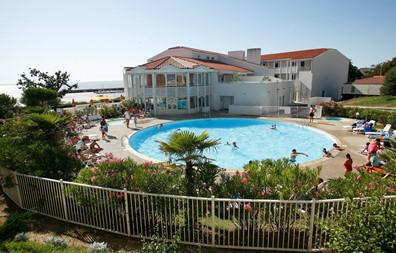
pixel 380 116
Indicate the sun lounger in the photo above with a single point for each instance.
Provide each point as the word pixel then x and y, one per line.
pixel 384 131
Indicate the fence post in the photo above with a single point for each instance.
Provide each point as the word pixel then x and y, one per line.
pixel 311 224
pixel 17 189
pixel 64 200
pixel 127 212
pixel 213 220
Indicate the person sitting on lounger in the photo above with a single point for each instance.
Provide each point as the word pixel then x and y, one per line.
pixel 294 154
pixel 326 153
pixel 336 147
pixel 94 147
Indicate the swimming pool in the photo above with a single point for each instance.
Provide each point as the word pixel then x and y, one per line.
pixel 255 139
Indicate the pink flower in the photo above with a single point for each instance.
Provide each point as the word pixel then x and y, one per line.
pixel 93 179
pixel 247 207
pixel 244 180
pixel 154 172
pixel 147 164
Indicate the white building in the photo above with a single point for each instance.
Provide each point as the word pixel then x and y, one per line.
pixel 363 87
pixel 318 72
pixel 182 80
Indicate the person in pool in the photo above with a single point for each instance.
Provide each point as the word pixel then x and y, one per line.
pixel 294 154
pixel 234 145
pixel 273 127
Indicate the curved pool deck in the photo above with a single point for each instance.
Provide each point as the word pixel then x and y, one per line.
pixel 331 167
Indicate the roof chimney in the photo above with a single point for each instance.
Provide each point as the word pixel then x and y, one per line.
pixel 253 55
pixel 239 54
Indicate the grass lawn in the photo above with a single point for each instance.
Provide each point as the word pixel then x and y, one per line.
pixel 381 101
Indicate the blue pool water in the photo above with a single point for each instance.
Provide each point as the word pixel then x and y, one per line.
pixel 333 118
pixel 254 137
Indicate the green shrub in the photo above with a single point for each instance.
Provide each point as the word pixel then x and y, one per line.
pixel 40 97
pixel 33 247
pixel 7 106
pixel 270 179
pixel 56 242
pixel 336 109
pixel 147 177
pixel 34 144
pixel 156 245
pixel 17 222
pixel 34 109
pixel 370 227
pixel 113 111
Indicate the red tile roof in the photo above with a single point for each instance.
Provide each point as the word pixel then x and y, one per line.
pixel 302 54
pixel 379 80
pixel 189 63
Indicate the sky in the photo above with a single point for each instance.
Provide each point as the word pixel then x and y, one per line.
pixel 94 40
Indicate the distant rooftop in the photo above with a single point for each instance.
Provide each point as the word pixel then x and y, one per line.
pixel 301 54
pixel 379 80
pixel 190 63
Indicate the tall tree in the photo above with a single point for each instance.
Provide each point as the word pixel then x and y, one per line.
pixel 7 106
pixel 39 97
pixel 37 79
pixel 389 87
pixel 353 73
pixel 381 68
pixel 188 147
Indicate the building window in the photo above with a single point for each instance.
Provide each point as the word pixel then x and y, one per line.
pixel 353 89
pixel 283 76
pixel 293 77
pixel 207 57
pixel 149 81
pixel 302 64
pixel 181 80
pixel 172 103
pixel 160 80
pixel 193 102
pixel 212 58
pixel 276 75
pixel 276 65
pixel 161 102
pixel 293 63
pixel 199 82
pixel 264 64
pixel 192 79
pixel 182 103
pixel 170 80
pixel 323 93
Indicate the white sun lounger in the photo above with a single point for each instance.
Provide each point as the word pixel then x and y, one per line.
pixel 381 131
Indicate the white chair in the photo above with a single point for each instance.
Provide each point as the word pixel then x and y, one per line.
pixel 381 131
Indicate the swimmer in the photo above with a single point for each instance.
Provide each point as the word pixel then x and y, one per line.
pixel 294 154
pixel 273 127
pixel 336 147
pixel 234 145
pixel 161 125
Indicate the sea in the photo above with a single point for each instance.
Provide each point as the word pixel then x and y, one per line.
pixel 14 91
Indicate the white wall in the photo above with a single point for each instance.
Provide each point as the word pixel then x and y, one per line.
pixel 253 94
pixel 330 72
pixel 362 89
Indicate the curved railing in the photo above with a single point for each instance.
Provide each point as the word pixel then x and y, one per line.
pixel 213 222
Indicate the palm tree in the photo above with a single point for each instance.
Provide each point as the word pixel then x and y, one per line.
pixel 188 147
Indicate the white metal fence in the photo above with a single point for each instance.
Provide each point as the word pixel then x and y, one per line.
pixel 213 222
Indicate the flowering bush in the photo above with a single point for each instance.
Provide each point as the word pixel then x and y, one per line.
pixel 57 242
pixel 270 179
pixel 98 247
pixel 148 177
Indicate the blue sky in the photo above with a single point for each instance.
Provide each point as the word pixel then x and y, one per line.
pixel 93 40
